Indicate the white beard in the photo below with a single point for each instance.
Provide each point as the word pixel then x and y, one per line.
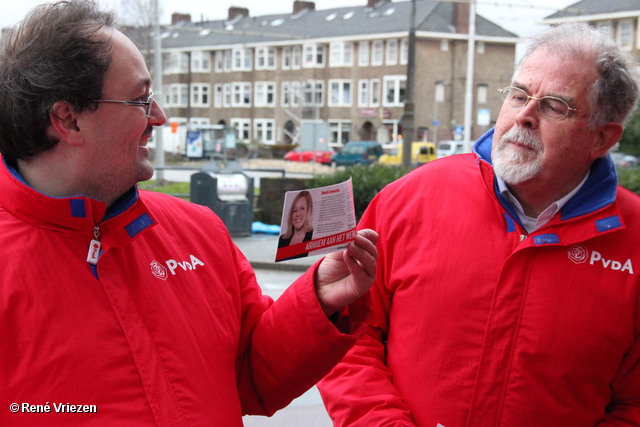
pixel 512 165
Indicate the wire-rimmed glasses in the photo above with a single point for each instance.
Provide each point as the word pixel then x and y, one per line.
pixel 550 106
pixel 146 104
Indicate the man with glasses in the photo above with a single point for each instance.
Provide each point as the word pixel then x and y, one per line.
pixel 121 307
pixel 508 286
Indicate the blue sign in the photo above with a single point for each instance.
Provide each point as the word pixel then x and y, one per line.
pixel 435 122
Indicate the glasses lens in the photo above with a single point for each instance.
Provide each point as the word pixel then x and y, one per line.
pixel 553 108
pixel 147 110
pixel 514 97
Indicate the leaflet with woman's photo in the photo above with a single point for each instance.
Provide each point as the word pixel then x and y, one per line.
pixel 317 221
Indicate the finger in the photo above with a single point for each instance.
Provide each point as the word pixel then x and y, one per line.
pixel 365 256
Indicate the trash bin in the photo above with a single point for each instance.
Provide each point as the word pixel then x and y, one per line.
pixel 228 193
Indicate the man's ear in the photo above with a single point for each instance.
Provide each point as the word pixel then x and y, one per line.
pixel 607 136
pixel 64 121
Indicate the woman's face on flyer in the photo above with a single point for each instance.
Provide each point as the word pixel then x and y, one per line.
pixel 299 214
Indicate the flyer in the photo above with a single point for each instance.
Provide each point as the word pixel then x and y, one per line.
pixel 317 221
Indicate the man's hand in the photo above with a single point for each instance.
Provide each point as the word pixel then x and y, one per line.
pixel 345 276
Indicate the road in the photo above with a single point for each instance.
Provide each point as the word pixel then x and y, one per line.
pixel 307 410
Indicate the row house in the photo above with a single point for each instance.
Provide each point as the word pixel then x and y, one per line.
pixel 346 67
pixel 621 19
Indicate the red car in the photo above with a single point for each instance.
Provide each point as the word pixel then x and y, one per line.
pixel 298 155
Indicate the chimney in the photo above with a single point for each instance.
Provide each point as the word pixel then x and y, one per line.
pixel 460 17
pixel 235 11
pixel 176 18
pixel 372 4
pixel 299 6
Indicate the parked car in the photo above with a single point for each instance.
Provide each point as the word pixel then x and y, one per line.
pixel 448 148
pixel 421 153
pixel 622 160
pixel 357 153
pixel 300 155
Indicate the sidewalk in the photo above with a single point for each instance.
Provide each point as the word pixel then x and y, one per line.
pixel 260 250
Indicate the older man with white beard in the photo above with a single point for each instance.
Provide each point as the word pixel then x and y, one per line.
pixel 507 290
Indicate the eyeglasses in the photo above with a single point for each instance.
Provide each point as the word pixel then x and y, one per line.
pixel 550 106
pixel 146 104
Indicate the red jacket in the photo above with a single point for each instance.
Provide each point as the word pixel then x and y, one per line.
pixel 478 324
pixel 171 329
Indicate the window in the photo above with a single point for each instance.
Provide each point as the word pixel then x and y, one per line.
pixel 226 91
pixel 243 128
pixel 265 94
pixel 178 63
pixel 295 58
pixel 444 45
pixel 375 92
pixel 482 94
pixel 227 60
pixel 625 34
pixel 339 132
pixel 200 62
pixel 200 94
pixel 363 93
pixel 395 90
pixel 340 93
pixel 341 54
pixel 314 93
pixel 178 95
pixel 392 52
pixel 242 59
pixel 265 58
pixel 376 53
pixel 480 48
pixel 286 94
pixel 219 67
pixel 199 121
pixel 295 94
pixel 404 52
pixel 241 94
pixel 313 55
pixel 217 95
pixel 264 130
pixel 439 92
pixel 363 54
pixel 286 58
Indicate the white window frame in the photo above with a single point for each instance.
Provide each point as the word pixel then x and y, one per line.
pixel 296 94
pixel 296 57
pixel 314 55
pixel 439 92
pixel 201 61
pixel 178 63
pixel 178 95
pixel 363 93
pixel 363 54
pixel 404 51
pixel 444 45
pixel 391 55
pixel 313 89
pixel 219 67
pixel 285 94
pixel 201 95
pixel 228 60
pixel 374 92
pixel 266 127
pixel 482 94
pixel 286 58
pixel 242 59
pixel 243 127
pixel 226 95
pixel 341 54
pixel 265 94
pixel 624 34
pixel 394 83
pixel 241 95
pixel 377 53
pixel 480 47
pixel 337 90
pixel 337 129
pixel 218 95
pixel 265 58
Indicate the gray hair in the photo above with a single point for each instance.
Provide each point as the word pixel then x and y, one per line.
pixel 614 94
pixel 54 54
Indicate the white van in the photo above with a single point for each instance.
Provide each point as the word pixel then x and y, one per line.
pixel 447 148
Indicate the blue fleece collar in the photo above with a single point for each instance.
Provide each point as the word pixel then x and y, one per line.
pixel 599 190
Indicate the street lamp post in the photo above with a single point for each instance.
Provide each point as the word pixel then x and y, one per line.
pixel 407 119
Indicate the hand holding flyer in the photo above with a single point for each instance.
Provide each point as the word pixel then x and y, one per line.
pixel 317 221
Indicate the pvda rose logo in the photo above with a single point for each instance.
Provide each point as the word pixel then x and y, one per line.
pixel 158 270
pixel 578 254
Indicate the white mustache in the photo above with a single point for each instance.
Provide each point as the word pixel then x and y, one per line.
pixel 525 137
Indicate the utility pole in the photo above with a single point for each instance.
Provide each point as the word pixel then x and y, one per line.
pixel 468 98
pixel 157 90
pixel 407 119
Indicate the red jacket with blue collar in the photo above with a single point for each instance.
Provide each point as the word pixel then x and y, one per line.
pixel 169 328
pixel 477 323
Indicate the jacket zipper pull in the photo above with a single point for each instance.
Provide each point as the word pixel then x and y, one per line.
pixel 94 247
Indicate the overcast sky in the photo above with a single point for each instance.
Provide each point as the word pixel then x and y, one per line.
pixel 518 16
